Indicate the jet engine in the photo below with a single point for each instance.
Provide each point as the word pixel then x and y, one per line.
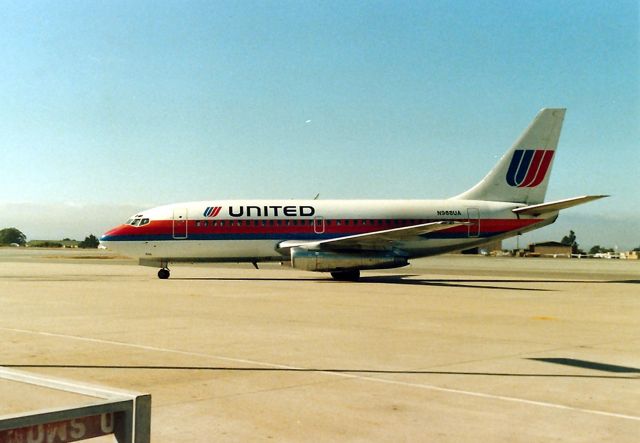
pixel 327 261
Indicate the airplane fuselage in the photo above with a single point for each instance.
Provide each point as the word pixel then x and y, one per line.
pixel 252 230
pixel 344 237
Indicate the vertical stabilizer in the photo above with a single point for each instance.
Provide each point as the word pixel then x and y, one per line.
pixel 522 174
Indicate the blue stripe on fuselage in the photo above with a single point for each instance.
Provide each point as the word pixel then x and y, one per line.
pixel 267 236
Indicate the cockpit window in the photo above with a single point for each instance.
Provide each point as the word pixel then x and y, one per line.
pixel 138 221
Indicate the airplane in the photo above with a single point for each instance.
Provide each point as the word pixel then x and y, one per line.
pixel 343 237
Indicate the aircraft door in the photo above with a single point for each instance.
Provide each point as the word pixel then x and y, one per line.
pixel 318 225
pixel 474 220
pixel 180 219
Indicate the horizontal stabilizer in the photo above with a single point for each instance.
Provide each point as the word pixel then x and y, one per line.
pixel 544 208
pixel 373 240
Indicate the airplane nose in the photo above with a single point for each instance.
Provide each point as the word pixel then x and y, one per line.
pixel 107 239
pixel 104 242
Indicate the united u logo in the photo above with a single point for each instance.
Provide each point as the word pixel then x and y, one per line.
pixel 528 167
pixel 212 211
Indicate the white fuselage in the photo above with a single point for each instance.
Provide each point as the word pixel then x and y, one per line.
pixel 252 230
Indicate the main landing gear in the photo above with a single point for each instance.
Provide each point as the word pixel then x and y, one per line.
pixel 352 275
pixel 164 273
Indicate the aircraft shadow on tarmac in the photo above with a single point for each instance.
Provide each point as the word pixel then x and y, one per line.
pixel 244 279
pixel 598 366
pixel 344 371
pixel 406 279
pixel 480 282
pixel 453 283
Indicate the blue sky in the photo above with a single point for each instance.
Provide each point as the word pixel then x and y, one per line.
pixel 110 107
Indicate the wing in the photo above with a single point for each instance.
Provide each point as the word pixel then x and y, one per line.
pixel 378 240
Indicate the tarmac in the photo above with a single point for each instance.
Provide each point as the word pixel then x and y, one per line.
pixel 450 349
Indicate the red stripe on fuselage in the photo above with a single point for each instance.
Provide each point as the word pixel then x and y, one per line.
pixel 298 226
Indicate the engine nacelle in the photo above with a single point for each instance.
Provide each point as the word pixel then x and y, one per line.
pixel 326 261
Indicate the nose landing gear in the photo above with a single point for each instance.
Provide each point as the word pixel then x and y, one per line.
pixel 164 273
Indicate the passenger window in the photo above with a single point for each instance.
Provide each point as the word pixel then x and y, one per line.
pixel 197 223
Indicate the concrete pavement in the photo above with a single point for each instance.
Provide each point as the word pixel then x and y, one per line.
pixel 452 348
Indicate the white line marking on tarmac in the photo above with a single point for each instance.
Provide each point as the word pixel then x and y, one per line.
pixel 334 373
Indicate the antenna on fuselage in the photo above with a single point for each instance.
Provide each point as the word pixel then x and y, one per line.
pixel 317 196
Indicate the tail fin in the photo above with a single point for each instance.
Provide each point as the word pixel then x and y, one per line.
pixel 522 174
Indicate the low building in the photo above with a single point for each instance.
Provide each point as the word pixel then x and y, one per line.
pixel 549 249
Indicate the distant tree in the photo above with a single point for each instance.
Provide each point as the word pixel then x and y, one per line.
pixel 12 235
pixel 570 240
pixel 89 242
pixel 637 249
pixel 47 244
pixel 597 249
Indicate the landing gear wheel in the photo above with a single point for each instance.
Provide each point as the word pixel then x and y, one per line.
pixel 353 275
pixel 163 273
